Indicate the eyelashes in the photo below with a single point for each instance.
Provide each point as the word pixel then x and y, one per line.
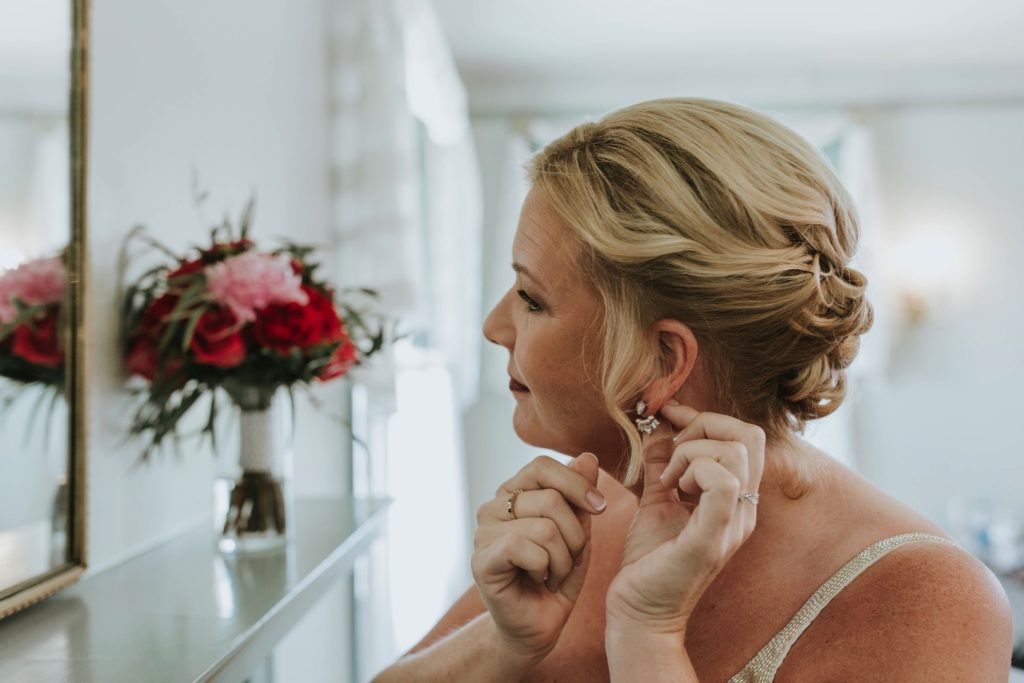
pixel 531 305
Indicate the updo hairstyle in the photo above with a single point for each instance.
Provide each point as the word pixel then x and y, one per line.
pixel 726 220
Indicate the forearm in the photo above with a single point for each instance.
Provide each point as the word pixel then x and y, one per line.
pixel 474 652
pixel 653 658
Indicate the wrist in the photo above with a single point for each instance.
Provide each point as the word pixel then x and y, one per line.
pixel 513 656
pixel 627 622
pixel 642 654
pixel 619 633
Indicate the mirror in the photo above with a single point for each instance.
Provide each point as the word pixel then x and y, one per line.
pixel 42 190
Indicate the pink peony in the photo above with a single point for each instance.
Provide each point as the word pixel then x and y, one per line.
pixel 37 282
pixel 251 281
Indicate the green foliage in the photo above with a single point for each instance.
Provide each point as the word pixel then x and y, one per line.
pixel 179 382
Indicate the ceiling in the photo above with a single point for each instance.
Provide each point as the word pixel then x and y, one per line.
pixel 551 51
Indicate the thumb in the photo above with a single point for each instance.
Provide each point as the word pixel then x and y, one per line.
pixel 657 455
pixel 586 464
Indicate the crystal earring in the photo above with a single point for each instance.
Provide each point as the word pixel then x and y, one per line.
pixel 645 424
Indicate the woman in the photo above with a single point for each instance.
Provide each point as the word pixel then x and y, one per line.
pixel 683 305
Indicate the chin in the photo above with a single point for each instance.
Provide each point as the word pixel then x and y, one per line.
pixel 534 435
pixel 531 435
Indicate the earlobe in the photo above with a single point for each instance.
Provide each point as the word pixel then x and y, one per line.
pixel 677 350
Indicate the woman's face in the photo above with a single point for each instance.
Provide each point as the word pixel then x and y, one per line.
pixel 551 323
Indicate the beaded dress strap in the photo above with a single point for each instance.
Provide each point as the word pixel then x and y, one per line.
pixel 765 663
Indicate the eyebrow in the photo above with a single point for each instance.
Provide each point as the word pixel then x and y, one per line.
pixel 522 270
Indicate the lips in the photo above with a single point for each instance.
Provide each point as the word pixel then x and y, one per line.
pixel 513 385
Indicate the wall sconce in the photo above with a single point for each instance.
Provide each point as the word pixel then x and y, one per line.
pixel 930 267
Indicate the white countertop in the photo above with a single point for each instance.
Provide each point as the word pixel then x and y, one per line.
pixel 183 612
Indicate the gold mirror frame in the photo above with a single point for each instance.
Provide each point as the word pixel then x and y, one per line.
pixel 35 589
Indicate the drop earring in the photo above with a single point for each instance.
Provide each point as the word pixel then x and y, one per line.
pixel 645 424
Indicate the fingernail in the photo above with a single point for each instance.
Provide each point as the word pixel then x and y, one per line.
pixel 596 500
pixel 671 402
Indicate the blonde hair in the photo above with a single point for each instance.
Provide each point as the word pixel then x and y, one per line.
pixel 724 219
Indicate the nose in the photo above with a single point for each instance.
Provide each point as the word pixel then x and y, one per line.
pixel 498 328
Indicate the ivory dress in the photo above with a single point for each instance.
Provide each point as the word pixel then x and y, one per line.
pixel 762 668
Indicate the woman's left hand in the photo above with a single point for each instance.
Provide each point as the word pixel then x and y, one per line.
pixel 675 549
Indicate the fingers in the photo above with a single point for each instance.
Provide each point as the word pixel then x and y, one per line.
pixel 541 503
pixel 510 554
pixel 503 552
pixel 718 525
pixel 552 510
pixel 716 457
pixel 678 415
pixel 714 427
pixel 547 473
pixel 719 427
pixel 587 465
pixel 732 455
pixel 721 520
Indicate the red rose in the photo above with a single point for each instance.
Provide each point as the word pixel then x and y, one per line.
pixel 186 268
pixel 217 339
pixel 343 358
pixel 154 318
pixel 282 327
pixel 143 359
pixel 38 340
pixel 328 322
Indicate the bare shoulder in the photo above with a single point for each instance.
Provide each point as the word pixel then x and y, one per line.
pixel 927 611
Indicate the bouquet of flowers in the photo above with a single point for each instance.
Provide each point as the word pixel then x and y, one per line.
pixel 31 343
pixel 232 317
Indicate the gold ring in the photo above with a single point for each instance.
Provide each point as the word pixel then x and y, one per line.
pixel 510 503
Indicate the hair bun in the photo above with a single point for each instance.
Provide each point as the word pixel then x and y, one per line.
pixel 717 216
pixel 831 324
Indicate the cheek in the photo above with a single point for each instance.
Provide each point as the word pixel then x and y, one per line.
pixel 558 378
pixel 545 363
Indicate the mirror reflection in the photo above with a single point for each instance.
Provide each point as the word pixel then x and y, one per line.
pixel 35 42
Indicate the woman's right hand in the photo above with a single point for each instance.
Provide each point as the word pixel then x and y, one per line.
pixel 530 569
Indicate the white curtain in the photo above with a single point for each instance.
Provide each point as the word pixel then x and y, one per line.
pixel 407 223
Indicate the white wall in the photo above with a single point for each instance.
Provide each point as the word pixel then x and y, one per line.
pixel 944 423
pixel 237 91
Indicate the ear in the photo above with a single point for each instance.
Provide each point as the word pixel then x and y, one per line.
pixel 677 350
